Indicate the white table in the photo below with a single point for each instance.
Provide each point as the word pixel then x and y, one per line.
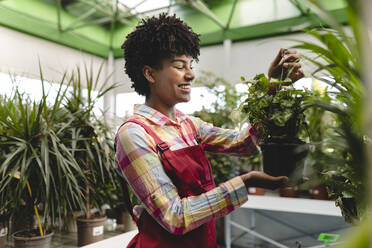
pixel 118 241
pixel 284 204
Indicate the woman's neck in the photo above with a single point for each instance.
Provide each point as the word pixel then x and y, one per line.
pixel 168 111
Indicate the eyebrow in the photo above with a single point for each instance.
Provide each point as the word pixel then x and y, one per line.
pixel 181 60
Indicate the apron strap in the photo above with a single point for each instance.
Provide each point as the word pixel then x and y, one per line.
pixel 196 133
pixel 160 144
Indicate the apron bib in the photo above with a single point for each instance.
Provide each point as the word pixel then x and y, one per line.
pixel 191 172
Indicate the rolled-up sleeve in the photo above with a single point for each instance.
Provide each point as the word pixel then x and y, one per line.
pixel 142 168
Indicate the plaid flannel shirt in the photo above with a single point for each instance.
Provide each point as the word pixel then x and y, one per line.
pixel 138 159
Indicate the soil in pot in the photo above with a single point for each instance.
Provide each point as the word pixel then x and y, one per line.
pixel 27 239
pixel 90 230
pixel 281 158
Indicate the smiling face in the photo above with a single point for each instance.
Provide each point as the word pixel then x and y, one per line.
pixel 171 84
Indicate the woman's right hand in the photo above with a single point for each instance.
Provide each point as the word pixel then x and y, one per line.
pixel 262 180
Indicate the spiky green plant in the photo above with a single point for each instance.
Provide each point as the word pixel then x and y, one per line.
pixel 338 60
pixel 92 140
pixel 35 157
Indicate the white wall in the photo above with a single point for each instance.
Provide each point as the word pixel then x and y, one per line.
pixel 20 53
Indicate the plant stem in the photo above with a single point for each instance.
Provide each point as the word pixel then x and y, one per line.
pixel 87 198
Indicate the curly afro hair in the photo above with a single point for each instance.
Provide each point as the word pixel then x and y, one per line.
pixel 156 39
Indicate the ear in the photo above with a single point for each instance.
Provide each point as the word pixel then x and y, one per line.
pixel 148 73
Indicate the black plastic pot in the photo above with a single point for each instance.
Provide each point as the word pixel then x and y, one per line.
pixel 282 159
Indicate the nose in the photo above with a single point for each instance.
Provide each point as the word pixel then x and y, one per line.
pixel 189 75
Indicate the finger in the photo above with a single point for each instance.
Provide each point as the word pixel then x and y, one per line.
pixel 279 56
pixel 291 57
pixel 294 65
pixel 297 75
pixel 290 51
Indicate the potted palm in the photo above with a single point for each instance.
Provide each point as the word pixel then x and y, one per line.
pixel 38 172
pixel 281 117
pixel 93 149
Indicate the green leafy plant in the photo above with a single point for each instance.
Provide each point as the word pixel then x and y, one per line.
pixel 281 115
pixel 341 158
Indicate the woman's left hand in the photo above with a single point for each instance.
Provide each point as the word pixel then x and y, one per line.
pixel 284 61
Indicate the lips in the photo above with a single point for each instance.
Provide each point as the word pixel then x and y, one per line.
pixel 184 86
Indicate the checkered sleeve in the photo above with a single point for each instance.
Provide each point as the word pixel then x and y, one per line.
pixel 142 168
pixel 229 141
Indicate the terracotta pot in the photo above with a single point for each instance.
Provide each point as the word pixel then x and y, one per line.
pixel 32 242
pixel 256 191
pixel 288 192
pixel 319 192
pixel 90 230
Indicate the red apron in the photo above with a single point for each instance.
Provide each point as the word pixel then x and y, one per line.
pixel 191 172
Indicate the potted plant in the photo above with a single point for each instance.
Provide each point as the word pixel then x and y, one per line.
pixel 93 149
pixel 281 116
pixel 342 159
pixel 38 172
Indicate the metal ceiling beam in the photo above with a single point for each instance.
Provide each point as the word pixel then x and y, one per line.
pixel 40 19
pixel 231 14
pixel 25 16
pixel 201 7
pixel 279 27
pixel 149 11
pixel 59 7
pixel 79 19
pixel 91 23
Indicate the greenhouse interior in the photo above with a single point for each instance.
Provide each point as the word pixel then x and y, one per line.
pixel 267 102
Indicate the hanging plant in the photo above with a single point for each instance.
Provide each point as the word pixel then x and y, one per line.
pixel 278 109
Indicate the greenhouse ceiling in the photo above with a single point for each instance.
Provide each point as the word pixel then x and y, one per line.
pixel 100 26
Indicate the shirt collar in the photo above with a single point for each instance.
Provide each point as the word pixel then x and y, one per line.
pixel 157 117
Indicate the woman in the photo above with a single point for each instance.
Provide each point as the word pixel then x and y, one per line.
pixel 161 151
